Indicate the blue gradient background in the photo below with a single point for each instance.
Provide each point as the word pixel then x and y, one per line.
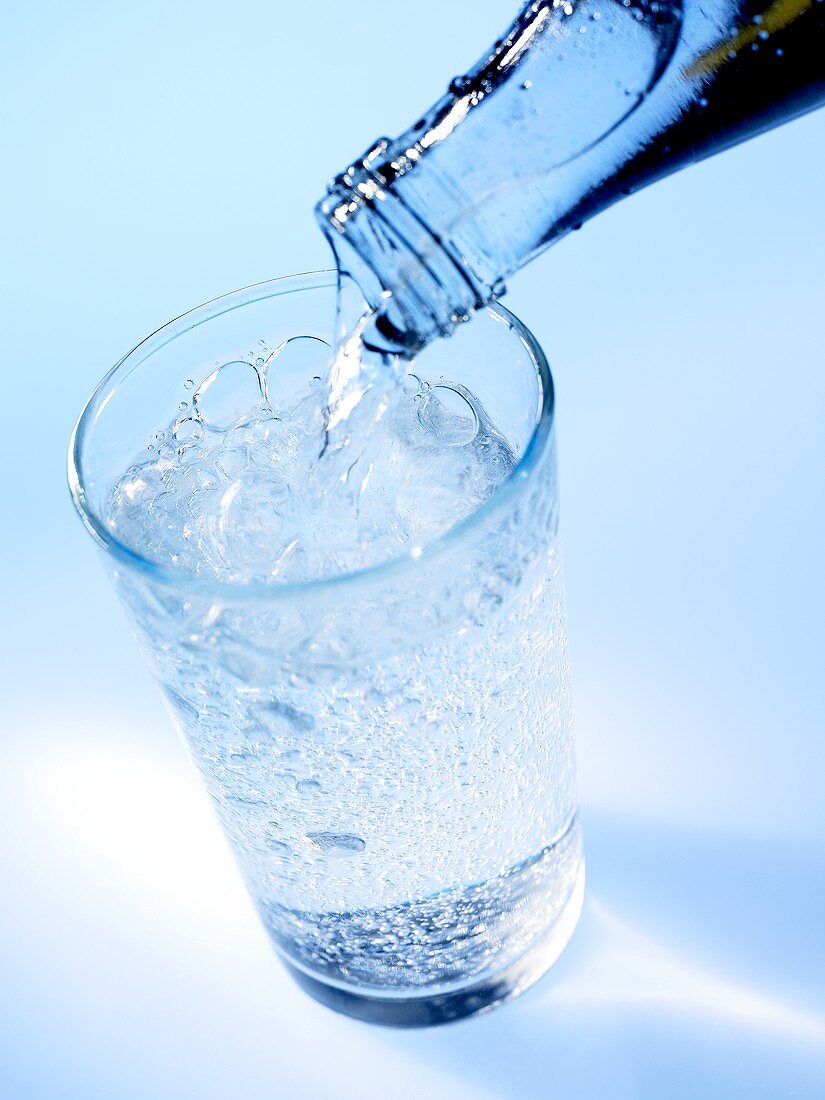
pixel 157 155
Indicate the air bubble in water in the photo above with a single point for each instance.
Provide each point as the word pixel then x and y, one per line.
pixel 232 462
pixel 278 848
pixel 277 716
pixel 337 844
pixel 228 396
pixel 290 368
pixel 307 786
pixel 188 430
pixel 449 416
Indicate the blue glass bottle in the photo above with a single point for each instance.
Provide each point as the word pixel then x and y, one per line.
pixel 578 105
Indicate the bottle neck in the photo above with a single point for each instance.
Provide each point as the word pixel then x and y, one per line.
pixel 431 224
pixel 579 104
pixel 400 226
pixel 419 287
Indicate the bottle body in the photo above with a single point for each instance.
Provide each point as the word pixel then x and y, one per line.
pixel 577 106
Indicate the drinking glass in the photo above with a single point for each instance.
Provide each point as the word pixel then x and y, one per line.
pixel 389 751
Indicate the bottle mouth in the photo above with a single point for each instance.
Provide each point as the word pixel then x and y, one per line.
pixel 418 289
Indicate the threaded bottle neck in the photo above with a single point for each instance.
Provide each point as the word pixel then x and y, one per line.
pixel 420 288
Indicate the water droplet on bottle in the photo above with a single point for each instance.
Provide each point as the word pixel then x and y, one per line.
pixel 703 102
pixel 228 396
pixel 160 436
pixel 764 35
pixel 757 19
pixel 188 384
pixel 527 85
pixel 459 85
pixel 183 406
pixel 780 52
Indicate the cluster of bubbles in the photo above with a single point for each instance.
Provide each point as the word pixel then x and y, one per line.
pixel 242 486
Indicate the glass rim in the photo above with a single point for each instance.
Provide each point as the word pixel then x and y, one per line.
pixel 410 559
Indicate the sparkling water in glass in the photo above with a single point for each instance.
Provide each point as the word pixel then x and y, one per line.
pixel 389 747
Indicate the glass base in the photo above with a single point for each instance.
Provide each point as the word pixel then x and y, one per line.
pixel 442 1008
